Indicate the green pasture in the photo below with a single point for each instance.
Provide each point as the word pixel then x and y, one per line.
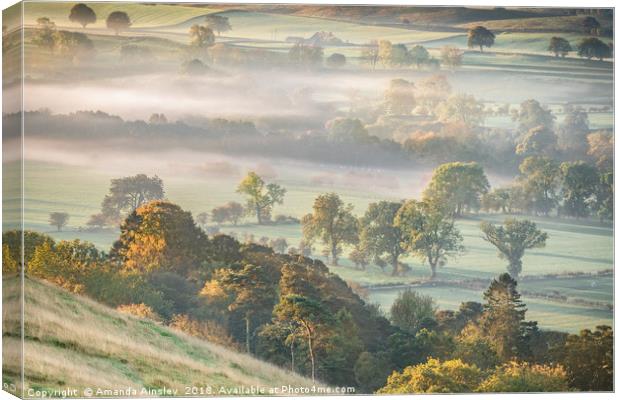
pixel 560 24
pixel 511 42
pixel 590 288
pixel 263 26
pixel 142 15
pixel 167 56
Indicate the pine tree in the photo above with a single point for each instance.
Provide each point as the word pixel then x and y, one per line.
pixel 503 315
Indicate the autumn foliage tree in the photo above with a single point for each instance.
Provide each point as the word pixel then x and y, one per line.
pixel 252 292
pixel 309 316
pixel 504 312
pixel 429 233
pixel 520 377
pixel 66 263
pixel 160 236
pixel 261 196
pixel 512 239
pixel 456 187
pixel 201 36
pixel 434 376
pixel 399 97
pixel 332 222
pixel 380 235
pixel 13 248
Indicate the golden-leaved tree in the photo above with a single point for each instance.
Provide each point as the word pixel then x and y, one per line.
pixel 160 236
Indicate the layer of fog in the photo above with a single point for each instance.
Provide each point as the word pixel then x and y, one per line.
pixel 194 167
pixel 265 94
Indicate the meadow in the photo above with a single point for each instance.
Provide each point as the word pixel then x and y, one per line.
pixel 71 340
pixel 142 15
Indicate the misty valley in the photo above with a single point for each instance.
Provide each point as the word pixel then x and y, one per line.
pixel 295 196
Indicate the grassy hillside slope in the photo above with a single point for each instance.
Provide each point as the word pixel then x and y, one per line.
pixel 74 342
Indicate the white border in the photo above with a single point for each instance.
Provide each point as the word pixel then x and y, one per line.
pixel 499 3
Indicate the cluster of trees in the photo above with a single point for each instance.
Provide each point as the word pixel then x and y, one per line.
pixel 309 55
pixel 587 48
pixel 290 310
pixel 230 212
pixel 398 55
pixel 124 196
pixel 388 231
pixel 75 46
pixel 237 137
pixel 594 48
pixel 202 43
pixel 446 127
pixel 491 347
pixel 128 193
pixel 203 36
pixel 389 55
pixel 566 168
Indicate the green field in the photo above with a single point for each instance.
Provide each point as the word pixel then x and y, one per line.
pixel 511 42
pixel 547 23
pixel 142 15
pixel 164 30
pixel 74 342
pixel 263 26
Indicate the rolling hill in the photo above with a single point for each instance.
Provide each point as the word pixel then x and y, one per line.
pixel 73 342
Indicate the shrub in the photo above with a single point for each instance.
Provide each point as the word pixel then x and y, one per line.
pixel 207 330
pixel 410 308
pixel 434 376
pixel 524 377
pixel 140 310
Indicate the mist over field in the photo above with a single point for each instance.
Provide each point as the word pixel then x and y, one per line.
pixel 266 93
